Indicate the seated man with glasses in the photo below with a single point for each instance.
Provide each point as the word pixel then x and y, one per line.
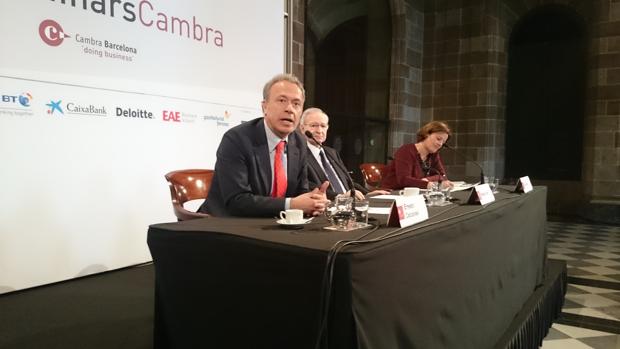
pixel 324 163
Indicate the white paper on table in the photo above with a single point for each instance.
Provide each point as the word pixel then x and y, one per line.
pixel 385 197
pixel 462 186
pixel 379 210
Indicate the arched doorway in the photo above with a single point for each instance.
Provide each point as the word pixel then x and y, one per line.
pixel 347 74
pixel 545 104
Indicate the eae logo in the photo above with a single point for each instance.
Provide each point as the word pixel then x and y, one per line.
pixel 51 32
pixel 173 116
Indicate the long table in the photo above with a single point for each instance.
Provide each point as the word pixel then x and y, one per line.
pixel 457 280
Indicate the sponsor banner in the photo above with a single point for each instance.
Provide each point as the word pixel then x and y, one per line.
pixel 98 100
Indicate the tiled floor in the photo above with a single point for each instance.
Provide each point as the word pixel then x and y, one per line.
pixel 591 313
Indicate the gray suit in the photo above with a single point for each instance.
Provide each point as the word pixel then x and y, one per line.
pixel 242 182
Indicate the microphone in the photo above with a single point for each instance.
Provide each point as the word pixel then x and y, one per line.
pixel 436 171
pixel 445 145
pixel 311 136
pixel 349 179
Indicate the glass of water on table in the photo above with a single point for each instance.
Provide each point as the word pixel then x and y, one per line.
pixel 361 212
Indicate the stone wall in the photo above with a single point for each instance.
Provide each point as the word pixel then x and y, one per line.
pixel 464 81
pixel 406 72
pixel 602 127
pixel 299 15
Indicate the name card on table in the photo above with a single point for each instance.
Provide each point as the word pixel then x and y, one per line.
pixel 481 194
pixel 407 210
pixel 523 185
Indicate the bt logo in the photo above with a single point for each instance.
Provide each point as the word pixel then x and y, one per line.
pixel 23 99
pixel 54 106
pixel 51 32
pixel 173 116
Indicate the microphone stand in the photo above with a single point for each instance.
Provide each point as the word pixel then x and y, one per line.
pixel 468 158
pixel 349 179
pixel 441 175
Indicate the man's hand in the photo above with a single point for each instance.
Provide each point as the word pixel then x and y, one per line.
pixel 358 195
pixel 312 203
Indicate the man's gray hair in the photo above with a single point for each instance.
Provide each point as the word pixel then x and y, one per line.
pixel 311 111
pixel 283 77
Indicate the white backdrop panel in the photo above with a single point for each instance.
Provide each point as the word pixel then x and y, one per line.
pixel 81 183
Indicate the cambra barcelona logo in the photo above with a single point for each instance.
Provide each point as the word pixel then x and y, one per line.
pixel 51 32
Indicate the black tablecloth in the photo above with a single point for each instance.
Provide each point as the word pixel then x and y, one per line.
pixel 454 281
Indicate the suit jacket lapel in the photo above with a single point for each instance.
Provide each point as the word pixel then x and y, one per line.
pixel 313 165
pixel 261 157
pixel 337 164
pixel 292 161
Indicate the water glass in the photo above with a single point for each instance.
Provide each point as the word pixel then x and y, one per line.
pixel 446 191
pixel 343 203
pixel 330 209
pixel 490 180
pixel 339 212
pixel 342 219
pixel 435 198
pixel 361 211
pixel 495 187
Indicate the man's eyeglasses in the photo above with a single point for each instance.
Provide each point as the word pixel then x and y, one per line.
pixel 323 126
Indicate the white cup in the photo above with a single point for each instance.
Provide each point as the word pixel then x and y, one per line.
pixel 410 191
pixel 292 216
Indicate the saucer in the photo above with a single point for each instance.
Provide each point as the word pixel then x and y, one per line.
pixel 283 222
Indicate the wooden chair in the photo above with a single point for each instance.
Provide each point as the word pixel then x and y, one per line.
pixel 186 185
pixel 373 174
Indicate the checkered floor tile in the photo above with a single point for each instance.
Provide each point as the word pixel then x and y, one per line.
pixel 591 313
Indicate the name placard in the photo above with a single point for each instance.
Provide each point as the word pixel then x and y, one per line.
pixel 524 185
pixel 407 210
pixel 481 195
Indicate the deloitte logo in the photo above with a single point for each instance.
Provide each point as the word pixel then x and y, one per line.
pixel 134 113
pixel 51 32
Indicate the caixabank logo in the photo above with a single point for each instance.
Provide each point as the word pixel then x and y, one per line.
pixel 55 108
pixel 53 34
pixel 85 109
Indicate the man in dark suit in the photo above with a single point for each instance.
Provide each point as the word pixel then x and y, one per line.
pixel 261 164
pixel 324 163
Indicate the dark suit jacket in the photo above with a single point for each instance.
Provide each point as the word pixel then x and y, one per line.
pixel 242 181
pixel 316 175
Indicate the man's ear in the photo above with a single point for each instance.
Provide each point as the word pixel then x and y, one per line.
pixel 262 105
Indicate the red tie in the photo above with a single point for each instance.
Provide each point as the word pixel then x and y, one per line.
pixel 279 176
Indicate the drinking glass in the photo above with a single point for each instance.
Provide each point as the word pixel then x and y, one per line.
pixel 342 218
pixel 330 209
pixel 339 212
pixel 446 191
pixel 343 203
pixel 435 196
pixel 496 186
pixel 491 182
pixel 361 211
